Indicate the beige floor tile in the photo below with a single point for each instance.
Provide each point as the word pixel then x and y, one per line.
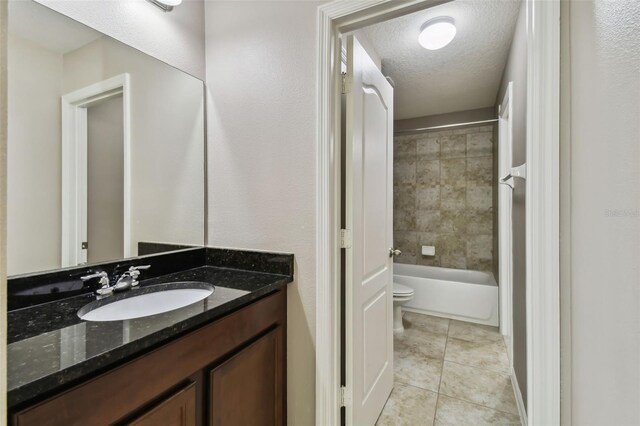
pixel 430 344
pixel 435 325
pixel 408 406
pixel 488 354
pixel 487 388
pixel 414 366
pixel 455 412
pixel 474 332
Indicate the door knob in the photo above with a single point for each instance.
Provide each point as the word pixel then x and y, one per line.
pixel 394 252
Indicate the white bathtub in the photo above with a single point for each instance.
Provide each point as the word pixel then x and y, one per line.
pixel 450 293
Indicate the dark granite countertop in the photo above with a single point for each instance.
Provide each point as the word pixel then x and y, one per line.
pixel 51 349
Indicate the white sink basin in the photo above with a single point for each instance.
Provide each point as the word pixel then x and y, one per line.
pixel 159 300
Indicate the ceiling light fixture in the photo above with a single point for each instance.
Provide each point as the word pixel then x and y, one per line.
pixel 166 5
pixel 436 33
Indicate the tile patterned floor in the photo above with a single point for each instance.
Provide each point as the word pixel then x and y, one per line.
pixel 449 372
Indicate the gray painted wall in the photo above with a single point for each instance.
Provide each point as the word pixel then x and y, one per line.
pixel 516 71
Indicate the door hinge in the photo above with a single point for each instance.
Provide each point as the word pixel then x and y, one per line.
pixel 345 238
pixel 345 396
pixel 346 84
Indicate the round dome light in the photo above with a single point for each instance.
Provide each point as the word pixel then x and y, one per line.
pixel 437 33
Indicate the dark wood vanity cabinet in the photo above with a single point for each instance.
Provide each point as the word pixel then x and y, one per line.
pixel 229 372
pixel 245 389
pixel 177 410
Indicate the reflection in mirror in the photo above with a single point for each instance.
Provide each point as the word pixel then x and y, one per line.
pixel 105 150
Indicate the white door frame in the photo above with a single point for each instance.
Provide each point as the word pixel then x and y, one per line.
pixel 542 207
pixel 543 212
pixel 505 162
pixel 74 165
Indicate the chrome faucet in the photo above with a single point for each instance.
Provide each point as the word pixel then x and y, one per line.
pixel 127 280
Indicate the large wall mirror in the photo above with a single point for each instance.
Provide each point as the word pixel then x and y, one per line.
pixel 106 146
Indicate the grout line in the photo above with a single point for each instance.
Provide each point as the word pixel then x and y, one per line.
pixel 414 386
pixel 480 405
pixel 464 365
pixel 508 374
pixel 435 412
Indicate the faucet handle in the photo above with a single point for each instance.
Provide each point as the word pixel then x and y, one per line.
pixel 104 277
pixel 104 281
pixel 97 274
pixel 134 273
pixel 139 267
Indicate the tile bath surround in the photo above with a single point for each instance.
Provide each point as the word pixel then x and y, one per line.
pixel 443 197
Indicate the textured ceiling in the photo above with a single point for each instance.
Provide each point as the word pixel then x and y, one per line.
pixel 463 75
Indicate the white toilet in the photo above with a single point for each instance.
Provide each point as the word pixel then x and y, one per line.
pixel 401 295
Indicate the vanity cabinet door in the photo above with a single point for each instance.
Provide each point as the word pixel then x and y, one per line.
pixel 248 388
pixel 177 410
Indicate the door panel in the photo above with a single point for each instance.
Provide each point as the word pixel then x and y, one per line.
pixel 177 410
pixel 374 181
pixel 375 349
pixel 246 389
pixel 368 214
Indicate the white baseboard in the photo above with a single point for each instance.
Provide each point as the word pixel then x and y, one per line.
pixel 516 391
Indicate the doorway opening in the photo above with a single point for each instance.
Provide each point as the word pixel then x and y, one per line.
pixel 96 177
pixel 361 335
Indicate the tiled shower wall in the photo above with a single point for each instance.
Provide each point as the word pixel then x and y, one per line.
pixel 443 197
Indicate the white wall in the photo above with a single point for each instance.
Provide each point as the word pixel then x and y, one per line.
pixel 367 44
pixel 261 62
pixel 167 139
pixel 605 211
pixel 176 37
pixel 3 202
pixel 34 172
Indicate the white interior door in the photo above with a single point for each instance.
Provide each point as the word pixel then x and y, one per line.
pixel 505 162
pixel 368 209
